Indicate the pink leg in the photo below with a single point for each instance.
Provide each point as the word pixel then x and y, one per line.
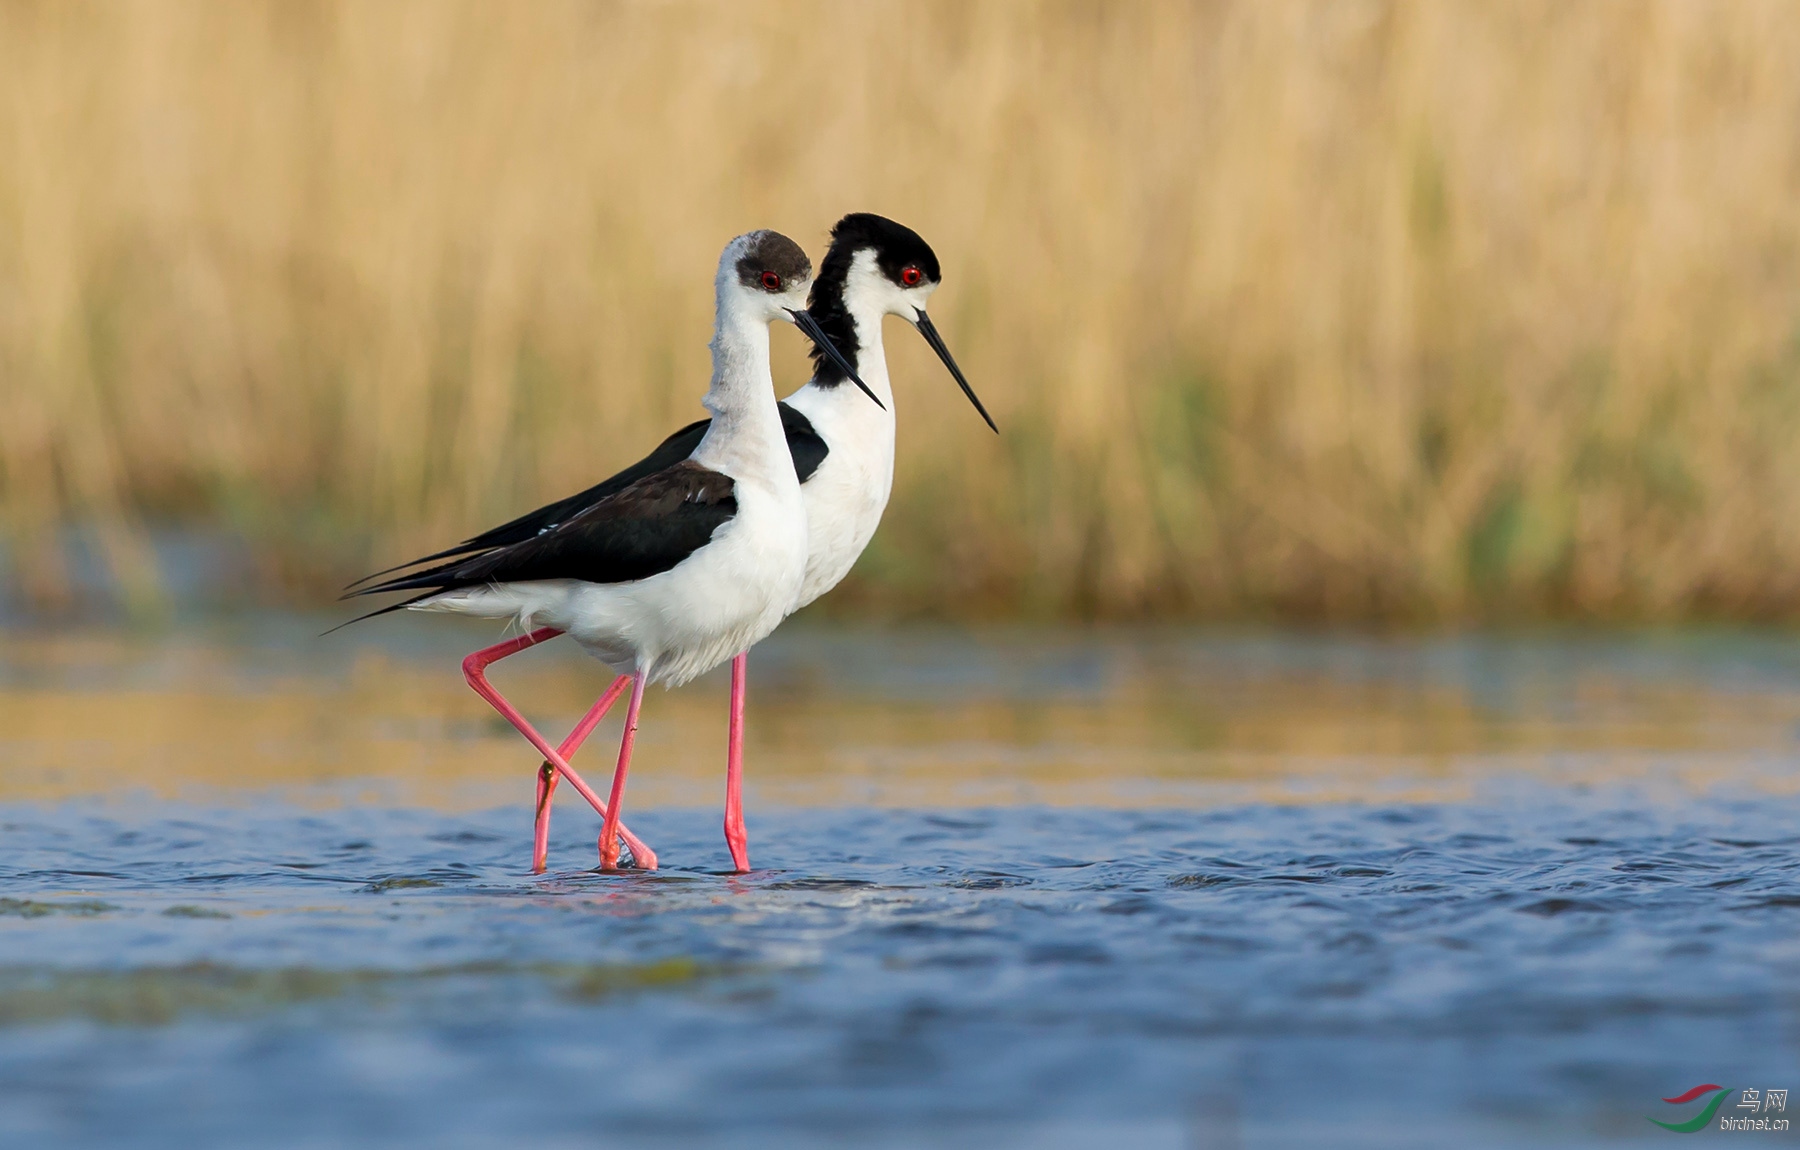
pixel 540 826
pixel 609 830
pixel 474 668
pixel 546 785
pixel 735 837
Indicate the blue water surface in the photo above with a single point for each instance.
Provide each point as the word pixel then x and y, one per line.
pixel 1535 967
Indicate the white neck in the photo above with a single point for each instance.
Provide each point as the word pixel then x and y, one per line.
pixel 740 354
pixel 871 359
pixel 860 434
pixel 871 365
pixel 746 434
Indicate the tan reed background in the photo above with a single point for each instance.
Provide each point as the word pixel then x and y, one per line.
pixel 1339 309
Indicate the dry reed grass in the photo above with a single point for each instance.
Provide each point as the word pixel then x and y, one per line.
pixel 1339 309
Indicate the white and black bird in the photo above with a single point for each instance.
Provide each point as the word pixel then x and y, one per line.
pixel 842 445
pixel 874 268
pixel 668 568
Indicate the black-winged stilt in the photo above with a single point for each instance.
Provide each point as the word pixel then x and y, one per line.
pixel 874 268
pixel 843 447
pixel 668 568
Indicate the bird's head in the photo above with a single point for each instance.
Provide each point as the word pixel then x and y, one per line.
pixel 877 267
pixel 766 276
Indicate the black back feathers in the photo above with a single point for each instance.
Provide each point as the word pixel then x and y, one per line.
pixel 805 445
pixel 642 530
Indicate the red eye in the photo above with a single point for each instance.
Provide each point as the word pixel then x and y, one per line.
pixel 771 281
pixel 910 276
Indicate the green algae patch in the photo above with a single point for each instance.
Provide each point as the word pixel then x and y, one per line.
pixel 32 908
pixel 156 996
pixel 186 911
pixel 593 982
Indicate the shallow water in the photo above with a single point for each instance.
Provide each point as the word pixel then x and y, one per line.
pixel 1021 889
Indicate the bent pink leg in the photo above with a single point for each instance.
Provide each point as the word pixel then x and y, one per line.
pixel 609 830
pixel 546 786
pixel 735 836
pixel 473 668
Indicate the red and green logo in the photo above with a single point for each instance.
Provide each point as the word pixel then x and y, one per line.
pixel 1698 1121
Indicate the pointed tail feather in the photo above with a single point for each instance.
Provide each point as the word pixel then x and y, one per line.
pixel 463 548
pixel 400 606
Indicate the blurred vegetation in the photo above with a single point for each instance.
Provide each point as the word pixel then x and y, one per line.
pixel 1344 309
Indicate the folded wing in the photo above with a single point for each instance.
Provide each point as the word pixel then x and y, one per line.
pixel 804 444
pixel 643 529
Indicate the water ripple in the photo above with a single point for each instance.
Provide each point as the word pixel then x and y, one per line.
pixel 976 977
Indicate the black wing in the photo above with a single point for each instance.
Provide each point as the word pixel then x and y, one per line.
pixel 641 531
pixel 804 444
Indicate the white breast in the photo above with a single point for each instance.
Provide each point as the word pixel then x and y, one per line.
pixel 847 494
pixel 724 598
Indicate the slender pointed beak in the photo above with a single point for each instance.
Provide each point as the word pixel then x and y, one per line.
pixel 930 332
pixel 806 323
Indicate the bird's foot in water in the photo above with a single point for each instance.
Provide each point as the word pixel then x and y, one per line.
pixel 629 858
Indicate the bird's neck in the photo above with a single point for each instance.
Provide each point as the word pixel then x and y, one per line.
pixel 746 427
pixel 844 415
pixel 870 359
pixel 857 333
pixel 840 303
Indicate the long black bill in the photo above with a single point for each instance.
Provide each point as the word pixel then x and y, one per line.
pixel 806 323
pixel 930 332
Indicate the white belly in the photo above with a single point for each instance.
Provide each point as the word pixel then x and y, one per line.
pixel 683 622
